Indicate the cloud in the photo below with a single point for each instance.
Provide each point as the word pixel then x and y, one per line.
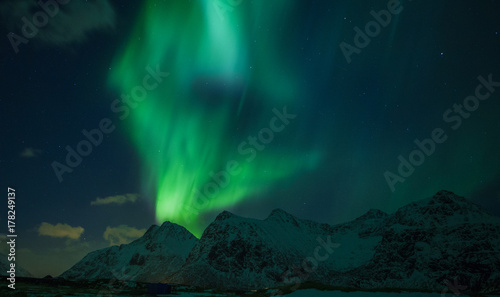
pixel 60 230
pixel 118 199
pixel 122 234
pixel 30 152
pixel 66 23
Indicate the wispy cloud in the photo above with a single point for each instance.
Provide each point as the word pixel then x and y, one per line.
pixel 30 152
pixel 67 23
pixel 118 199
pixel 122 234
pixel 60 230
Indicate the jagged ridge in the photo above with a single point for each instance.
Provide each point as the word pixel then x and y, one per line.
pixel 419 246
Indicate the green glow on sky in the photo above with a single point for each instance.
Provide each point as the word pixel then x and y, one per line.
pixel 181 132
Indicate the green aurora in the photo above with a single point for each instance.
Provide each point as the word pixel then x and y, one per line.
pixel 220 90
pixel 228 71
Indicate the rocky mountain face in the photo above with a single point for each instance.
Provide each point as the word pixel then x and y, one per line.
pixel 161 251
pixel 430 244
pixel 236 252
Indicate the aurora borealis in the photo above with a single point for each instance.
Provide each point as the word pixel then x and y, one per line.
pixel 193 124
pixel 239 105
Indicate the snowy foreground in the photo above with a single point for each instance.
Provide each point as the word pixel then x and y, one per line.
pixel 299 293
pixel 317 293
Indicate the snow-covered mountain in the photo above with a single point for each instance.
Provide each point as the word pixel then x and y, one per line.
pixel 422 245
pixel 151 258
pixel 433 241
pixel 236 252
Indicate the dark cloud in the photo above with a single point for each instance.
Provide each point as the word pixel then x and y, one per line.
pixel 65 23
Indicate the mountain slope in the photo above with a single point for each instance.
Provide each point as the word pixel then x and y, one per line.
pixel 423 245
pixel 236 252
pixel 427 243
pixel 151 258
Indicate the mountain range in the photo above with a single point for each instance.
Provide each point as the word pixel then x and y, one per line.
pixel 426 245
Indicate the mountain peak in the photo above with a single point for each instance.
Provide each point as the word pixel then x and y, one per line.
pixel 168 225
pixel 225 215
pixel 443 209
pixel 444 196
pixel 373 214
pixel 167 229
pixel 162 250
pixel 278 210
pixel 279 213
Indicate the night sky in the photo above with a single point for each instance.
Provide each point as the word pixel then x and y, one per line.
pixel 119 116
